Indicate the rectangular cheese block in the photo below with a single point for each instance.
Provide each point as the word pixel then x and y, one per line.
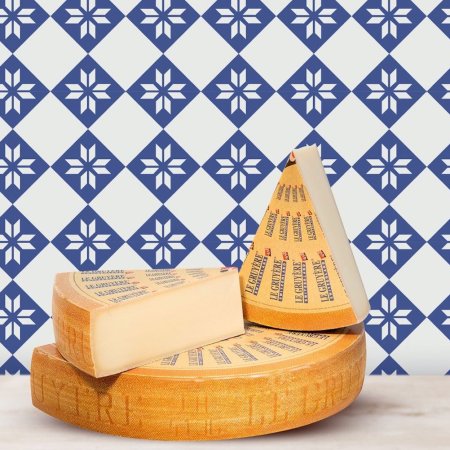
pixel 106 322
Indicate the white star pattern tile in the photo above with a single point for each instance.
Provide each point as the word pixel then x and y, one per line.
pixel 159 98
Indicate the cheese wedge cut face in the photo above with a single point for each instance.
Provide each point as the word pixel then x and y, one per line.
pixel 300 273
pixel 262 382
pixel 106 322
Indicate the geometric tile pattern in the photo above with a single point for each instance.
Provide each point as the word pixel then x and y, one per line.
pixel 135 131
pixel 313 21
pixel 88 166
pixel 389 166
pixel 392 317
pixel 389 241
pixel 163 166
pixel 389 21
pixel 389 91
pixel 88 22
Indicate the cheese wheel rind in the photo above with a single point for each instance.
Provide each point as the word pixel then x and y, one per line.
pixel 159 402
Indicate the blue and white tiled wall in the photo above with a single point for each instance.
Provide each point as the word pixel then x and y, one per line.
pixel 151 134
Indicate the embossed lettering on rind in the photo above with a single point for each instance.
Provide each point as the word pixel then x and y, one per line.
pixel 274 380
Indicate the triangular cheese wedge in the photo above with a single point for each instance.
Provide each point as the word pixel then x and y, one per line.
pixel 106 322
pixel 300 273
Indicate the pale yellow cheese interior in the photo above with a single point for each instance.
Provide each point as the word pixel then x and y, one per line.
pixel 311 170
pixel 152 314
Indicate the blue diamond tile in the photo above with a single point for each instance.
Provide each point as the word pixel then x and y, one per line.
pixel 392 317
pixel 389 91
pixel 163 166
pixel 18 21
pixel 238 22
pixel 20 91
pixel 13 367
pixel 20 317
pixel 440 91
pixel 88 91
pixel 441 16
pixel 389 166
pixel 232 238
pixel 87 241
pixel 441 317
pixel 20 166
pixel 389 241
pixel 87 21
pixel 88 166
pixel 163 21
pixel 238 91
pixel 389 367
pixel 441 167
pixel 20 241
pixel 389 21
pixel 441 241
pixel 334 164
pixel 238 166
pixel 313 91
pixel 163 241
pixel 314 21
pixel 163 91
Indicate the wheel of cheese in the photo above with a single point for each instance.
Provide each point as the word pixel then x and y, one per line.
pixel 262 382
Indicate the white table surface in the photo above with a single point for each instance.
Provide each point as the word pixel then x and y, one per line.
pixel 391 413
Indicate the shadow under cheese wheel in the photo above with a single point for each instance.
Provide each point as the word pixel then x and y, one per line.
pixel 265 381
